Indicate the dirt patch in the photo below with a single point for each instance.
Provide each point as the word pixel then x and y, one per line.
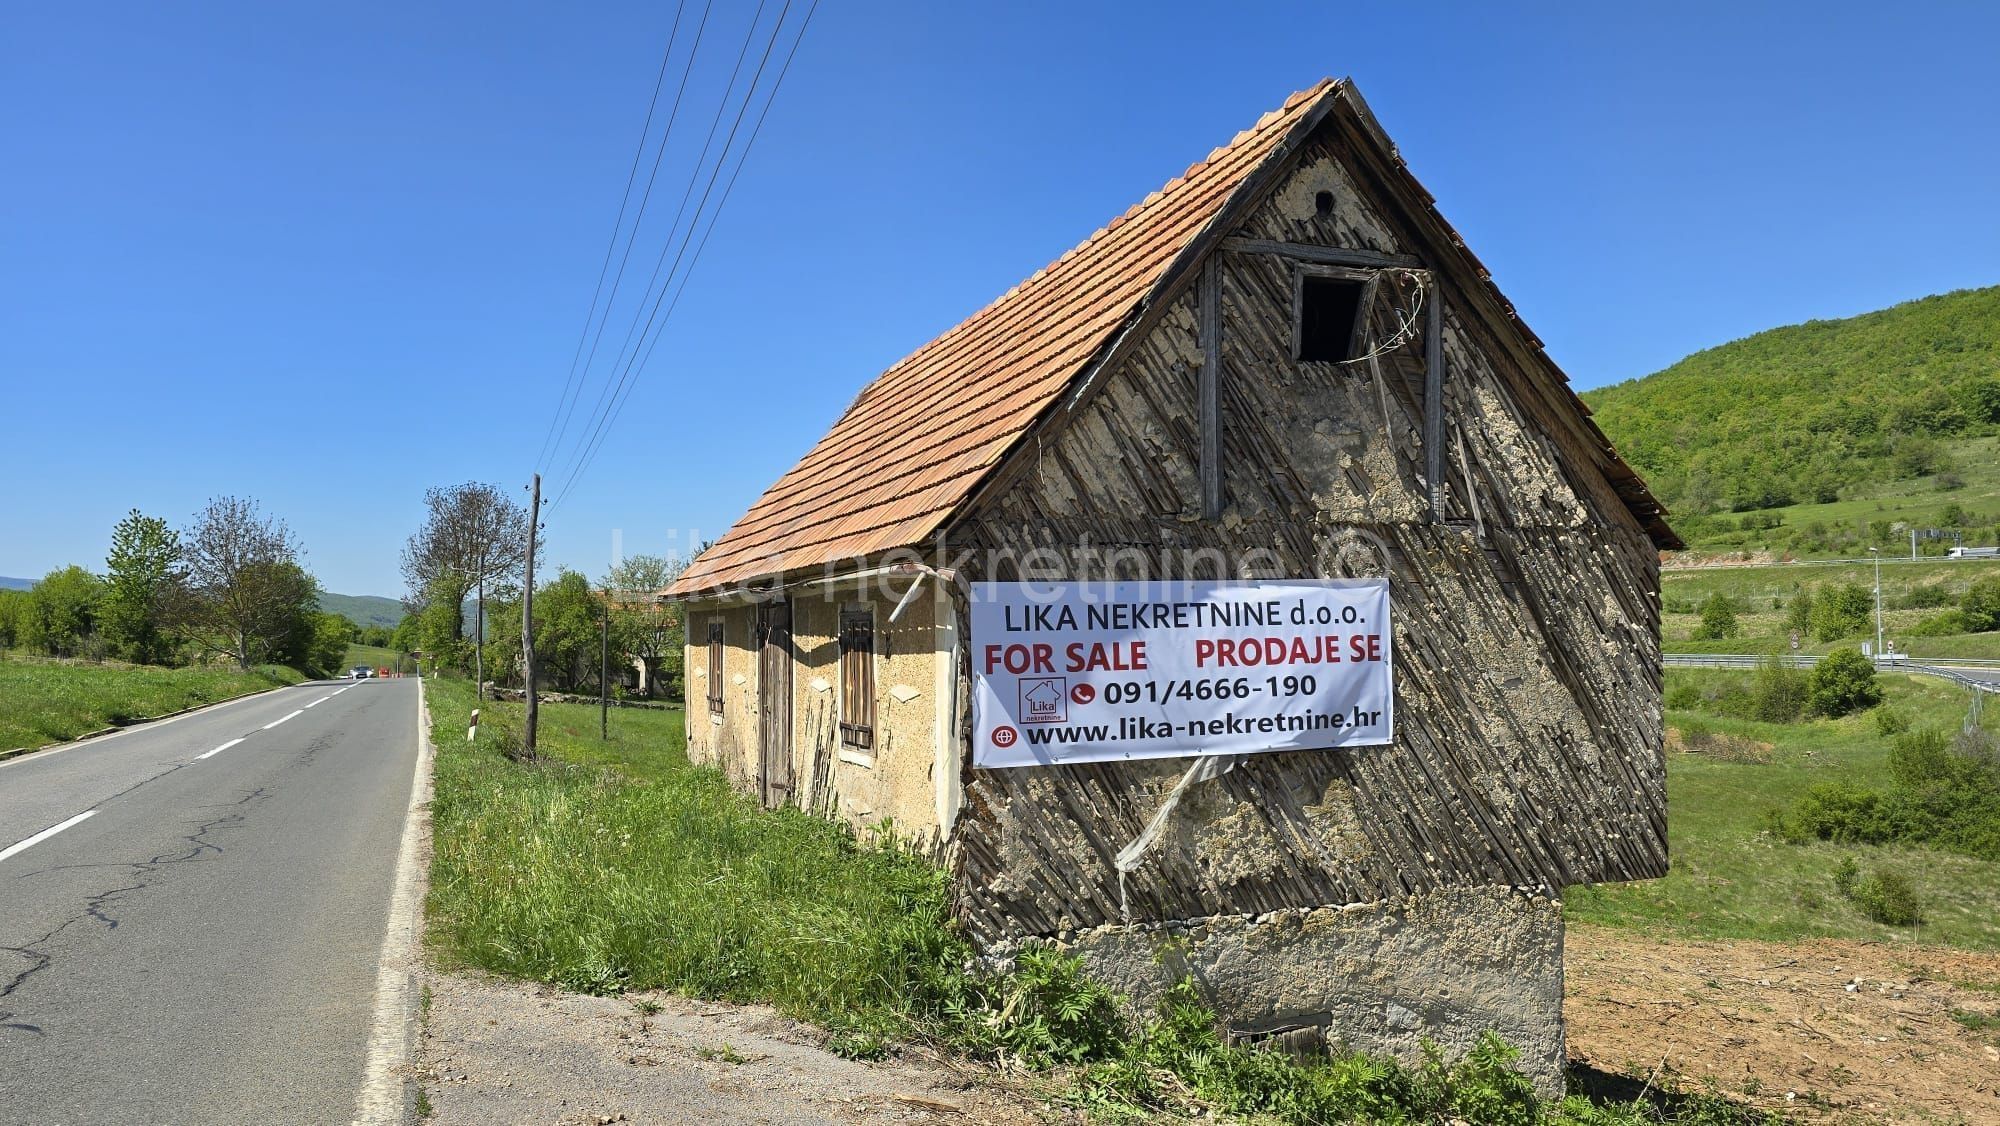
pixel 1822 1029
pixel 497 1051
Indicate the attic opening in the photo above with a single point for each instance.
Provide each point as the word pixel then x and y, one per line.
pixel 1329 309
pixel 1323 203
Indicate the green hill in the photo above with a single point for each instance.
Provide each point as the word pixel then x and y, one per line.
pixel 363 609
pixel 1815 413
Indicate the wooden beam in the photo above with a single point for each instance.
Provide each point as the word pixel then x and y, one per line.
pixel 1209 299
pixel 1328 255
pixel 1434 394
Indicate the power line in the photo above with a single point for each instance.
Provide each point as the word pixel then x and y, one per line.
pixel 624 201
pixel 619 407
pixel 567 405
pixel 600 409
pixel 635 366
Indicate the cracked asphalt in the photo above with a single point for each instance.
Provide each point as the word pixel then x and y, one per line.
pixel 203 947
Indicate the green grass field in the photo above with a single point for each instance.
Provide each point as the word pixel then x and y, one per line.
pixel 1763 591
pixel 1732 879
pixel 44 701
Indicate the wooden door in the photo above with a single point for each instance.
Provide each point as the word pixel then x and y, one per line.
pixel 774 703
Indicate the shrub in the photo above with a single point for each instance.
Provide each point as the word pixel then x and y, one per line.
pixel 1842 682
pixel 1778 692
pixel 1946 624
pixel 1841 611
pixel 1718 619
pixel 1981 604
pixel 1926 596
pixel 1891 721
pixel 1887 896
pixel 1683 697
pixel 1946 795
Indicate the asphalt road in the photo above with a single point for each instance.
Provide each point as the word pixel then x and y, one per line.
pixel 202 947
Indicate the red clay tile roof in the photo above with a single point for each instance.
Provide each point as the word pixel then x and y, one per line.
pixel 920 438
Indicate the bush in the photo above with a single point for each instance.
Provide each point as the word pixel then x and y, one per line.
pixel 1683 697
pixel 1891 721
pixel 1926 596
pixel 1946 795
pixel 1947 624
pixel 1718 619
pixel 1778 692
pixel 1981 604
pixel 1842 682
pixel 1887 896
pixel 1841 611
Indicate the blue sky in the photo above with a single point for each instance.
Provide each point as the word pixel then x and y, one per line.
pixel 328 255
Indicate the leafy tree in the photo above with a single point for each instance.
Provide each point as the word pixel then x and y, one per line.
pixel 13 612
pixel 244 594
pixel 643 627
pixel 1841 611
pixel 1981 605
pixel 141 572
pixel 1799 611
pixel 1718 619
pixel 61 617
pixel 1842 682
pixel 473 536
pixel 566 631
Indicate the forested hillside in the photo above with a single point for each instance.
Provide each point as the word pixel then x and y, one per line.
pixel 1803 414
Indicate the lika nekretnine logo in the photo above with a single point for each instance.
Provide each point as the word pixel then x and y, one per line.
pixel 1045 700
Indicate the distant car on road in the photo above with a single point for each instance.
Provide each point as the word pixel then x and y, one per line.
pixel 361 672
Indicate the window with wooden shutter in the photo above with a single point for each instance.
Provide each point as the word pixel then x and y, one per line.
pixel 715 668
pixel 857 678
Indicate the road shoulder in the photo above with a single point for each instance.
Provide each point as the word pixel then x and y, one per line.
pixel 389 1088
pixel 504 1051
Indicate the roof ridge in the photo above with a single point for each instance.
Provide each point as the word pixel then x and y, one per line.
pixel 1268 120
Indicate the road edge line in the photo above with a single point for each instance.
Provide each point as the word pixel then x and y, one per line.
pixel 388 1092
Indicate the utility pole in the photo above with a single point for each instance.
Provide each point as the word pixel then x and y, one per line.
pixel 479 638
pixel 604 670
pixel 1877 553
pixel 528 619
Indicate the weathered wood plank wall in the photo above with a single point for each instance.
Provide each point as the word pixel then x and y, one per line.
pixel 1526 633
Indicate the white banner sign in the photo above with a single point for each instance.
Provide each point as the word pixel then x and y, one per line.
pixel 1095 672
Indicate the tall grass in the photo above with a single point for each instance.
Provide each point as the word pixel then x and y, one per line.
pixel 613 868
pixel 45 701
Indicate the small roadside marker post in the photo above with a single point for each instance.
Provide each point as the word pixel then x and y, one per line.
pixel 472 732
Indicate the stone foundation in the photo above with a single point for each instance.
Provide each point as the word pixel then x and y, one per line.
pixel 1444 966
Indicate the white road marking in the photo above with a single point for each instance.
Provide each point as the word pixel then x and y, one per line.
pixel 343 690
pixel 322 699
pixel 276 722
pixel 217 750
pixel 45 834
pixel 384 1088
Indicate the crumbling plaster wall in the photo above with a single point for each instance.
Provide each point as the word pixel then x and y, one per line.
pixel 727 742
pixel 894 779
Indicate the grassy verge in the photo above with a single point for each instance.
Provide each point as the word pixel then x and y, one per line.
pixel 45 701
pixel 615 865
pixel 1734 878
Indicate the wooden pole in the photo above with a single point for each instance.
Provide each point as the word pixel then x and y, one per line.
pixel 604 670
pixel 479 638
pixel 528 620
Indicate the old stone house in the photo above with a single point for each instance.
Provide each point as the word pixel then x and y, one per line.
pixel 1283 365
